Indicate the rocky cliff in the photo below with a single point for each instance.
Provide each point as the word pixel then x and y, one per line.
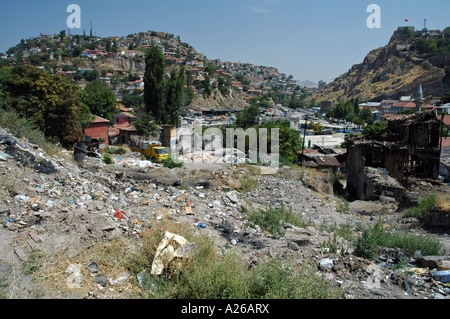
pixel 388 73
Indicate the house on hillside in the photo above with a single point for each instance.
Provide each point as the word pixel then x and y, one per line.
pixel 404 106
pixel 123 117
pixel 98 131
pixel 124 133
pixel 386 105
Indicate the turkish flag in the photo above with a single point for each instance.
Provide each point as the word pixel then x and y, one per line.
pixel 406 20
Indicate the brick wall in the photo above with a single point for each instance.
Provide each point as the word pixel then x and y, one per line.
pixel 98 130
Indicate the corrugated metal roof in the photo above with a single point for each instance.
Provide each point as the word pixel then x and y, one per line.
pixel 326 161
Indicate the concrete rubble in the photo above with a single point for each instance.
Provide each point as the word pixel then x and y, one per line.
pixel 58 207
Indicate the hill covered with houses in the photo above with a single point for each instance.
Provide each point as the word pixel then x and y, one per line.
pixel 120 63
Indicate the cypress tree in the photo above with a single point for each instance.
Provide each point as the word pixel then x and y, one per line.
pixel 155 84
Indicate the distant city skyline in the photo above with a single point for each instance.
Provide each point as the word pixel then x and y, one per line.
pixel 311 40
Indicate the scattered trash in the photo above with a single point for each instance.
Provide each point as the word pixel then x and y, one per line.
pixel 442 275
pixel 93 267
pixel 8 139
pixel 119 214
pixel 170 247
pixel 146 281
pixel 74 280
pixel 101 280
pixel 217 203
pixel 444 265
pixel 407 288
pixel 201 225
pixel 120 279
pixel 50 203
pixel 329 276
pixel 4 156
pixel 326 264
pixel 188 210
pixel 22 198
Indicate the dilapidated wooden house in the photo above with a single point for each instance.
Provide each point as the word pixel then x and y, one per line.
pixel 410 146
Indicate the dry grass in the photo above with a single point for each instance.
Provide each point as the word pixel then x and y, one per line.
pixel 443 203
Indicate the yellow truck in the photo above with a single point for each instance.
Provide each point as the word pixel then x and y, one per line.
pixel 152 150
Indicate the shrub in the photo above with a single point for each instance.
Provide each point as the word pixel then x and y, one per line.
pixel 107 159
pixel 421 210
pixel 170 163
pixel 112 150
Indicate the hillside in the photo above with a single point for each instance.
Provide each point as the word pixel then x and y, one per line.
pixel 120 62
pixel 392 71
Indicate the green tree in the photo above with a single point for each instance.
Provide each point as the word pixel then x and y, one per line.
pixel 155 84
pixel 248 117
pixel 145 125
pixel 62 35
pixel 100 100
pixel 376 128
pixel 290 141
pixel 315 126
pixel 366 115
pixel 207 85
pixel 51 102
pixel 91 75
pixel 356 106
pixel 132 100
pixel 343 109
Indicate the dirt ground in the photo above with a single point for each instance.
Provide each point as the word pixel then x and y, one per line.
pixel 55 222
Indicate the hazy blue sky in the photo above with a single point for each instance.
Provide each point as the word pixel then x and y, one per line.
pixel 312 40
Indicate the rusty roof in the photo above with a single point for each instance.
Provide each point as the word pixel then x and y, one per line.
pixel 99 119
pixel 326 161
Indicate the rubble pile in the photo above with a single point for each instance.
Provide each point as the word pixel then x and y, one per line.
pixel 53 205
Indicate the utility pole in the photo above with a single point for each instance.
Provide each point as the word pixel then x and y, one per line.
pixel 304 136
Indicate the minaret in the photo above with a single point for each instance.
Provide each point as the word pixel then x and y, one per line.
pixel 419 99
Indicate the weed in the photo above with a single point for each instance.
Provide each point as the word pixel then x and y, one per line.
pixel 25 129
pixel 421 210
pixel 107 159
pixel 113 150
pixel 272 219
pixel 343 206
pixel 443 203
pixel 213 275
pixel 373 238
pixel 3 286
pixel 248 183
pixel 170 163
pixel 34 263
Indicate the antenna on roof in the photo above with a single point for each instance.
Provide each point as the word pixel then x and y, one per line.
pixel 424 24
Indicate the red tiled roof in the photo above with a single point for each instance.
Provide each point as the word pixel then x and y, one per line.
pixel 126 114
pixel 99 119
pixel 413 105
pixel 115 129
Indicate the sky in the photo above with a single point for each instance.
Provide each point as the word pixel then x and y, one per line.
pixel 311 40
